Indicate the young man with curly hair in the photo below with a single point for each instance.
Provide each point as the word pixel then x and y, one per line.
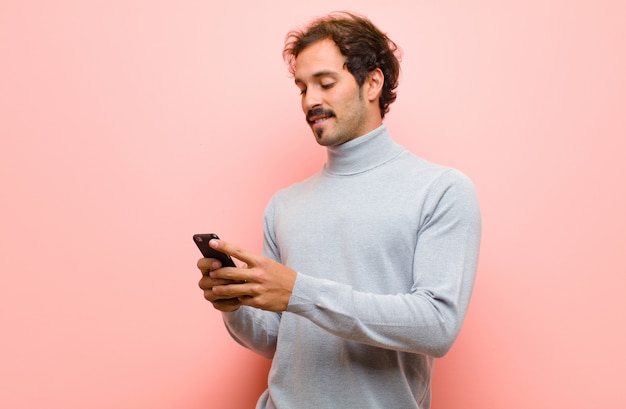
pixel 368 265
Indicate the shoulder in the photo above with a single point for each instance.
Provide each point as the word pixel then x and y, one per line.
pixel 437 184
pixel 414 167
pixel 293 191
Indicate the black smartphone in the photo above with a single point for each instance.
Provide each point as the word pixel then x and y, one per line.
pixel 202 241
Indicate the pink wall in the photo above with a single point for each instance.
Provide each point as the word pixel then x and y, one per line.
pixel 127 126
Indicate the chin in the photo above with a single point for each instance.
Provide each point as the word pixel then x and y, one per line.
pixel 319 134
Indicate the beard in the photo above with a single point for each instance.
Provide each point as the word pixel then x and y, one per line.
pixel 339 129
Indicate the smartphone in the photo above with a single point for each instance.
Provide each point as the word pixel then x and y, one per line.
pixel 202 241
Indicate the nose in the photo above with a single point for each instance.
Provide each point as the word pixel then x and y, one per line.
pixel 310 100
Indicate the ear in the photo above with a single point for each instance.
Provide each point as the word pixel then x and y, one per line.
pixel 375 80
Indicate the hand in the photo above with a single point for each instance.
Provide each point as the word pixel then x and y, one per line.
pixel 206 283
pixel 263 283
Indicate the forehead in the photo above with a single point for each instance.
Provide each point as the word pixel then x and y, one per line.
pixel 321 56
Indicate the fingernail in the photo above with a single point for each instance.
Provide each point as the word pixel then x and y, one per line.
pixel 215 265
pixel 213 243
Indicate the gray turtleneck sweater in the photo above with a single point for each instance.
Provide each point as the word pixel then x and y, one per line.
pixel 386 246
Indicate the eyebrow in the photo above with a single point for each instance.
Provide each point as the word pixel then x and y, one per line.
pixel 318 74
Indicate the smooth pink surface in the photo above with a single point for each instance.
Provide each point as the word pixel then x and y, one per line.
pixel 127 126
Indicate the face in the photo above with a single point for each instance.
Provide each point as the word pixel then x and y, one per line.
pixel 336 108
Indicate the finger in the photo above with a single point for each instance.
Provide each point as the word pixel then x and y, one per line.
pixel 228 305
pixel 207 282
pixel 234 251
pixel 207 264
pixel 235 290
pixel 231 275
pixel 209 295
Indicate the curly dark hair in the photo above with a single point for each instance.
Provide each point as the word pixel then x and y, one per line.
pixel 363 44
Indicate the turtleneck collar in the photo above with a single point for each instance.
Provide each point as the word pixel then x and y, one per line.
pixel 363 153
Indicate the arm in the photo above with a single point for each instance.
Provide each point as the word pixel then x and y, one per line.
pixel 252 328
pixel 427 318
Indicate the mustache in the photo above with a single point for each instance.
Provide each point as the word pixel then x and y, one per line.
pixel 319 112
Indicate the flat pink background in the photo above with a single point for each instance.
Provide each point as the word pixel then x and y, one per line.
pixel 127 126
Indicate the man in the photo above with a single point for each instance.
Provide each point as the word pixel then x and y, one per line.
pixel 368 265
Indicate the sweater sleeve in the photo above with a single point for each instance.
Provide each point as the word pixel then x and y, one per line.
pixel 253 328
pixel 427 319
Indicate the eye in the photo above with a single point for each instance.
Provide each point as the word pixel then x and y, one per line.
pixel 328 86
pixel 303 91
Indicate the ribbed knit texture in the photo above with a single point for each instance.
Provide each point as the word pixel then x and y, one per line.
pixel 386 246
